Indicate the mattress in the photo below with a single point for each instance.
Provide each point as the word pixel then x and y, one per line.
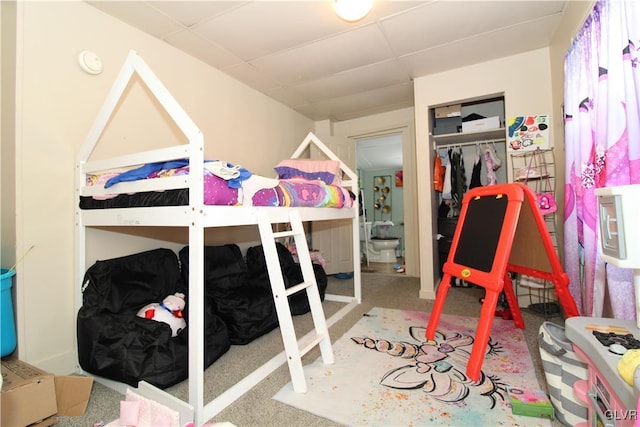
pixel 231 186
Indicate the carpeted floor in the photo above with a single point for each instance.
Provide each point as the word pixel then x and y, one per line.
pixel 257 408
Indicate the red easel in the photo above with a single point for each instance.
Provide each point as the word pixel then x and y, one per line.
pixel 500 230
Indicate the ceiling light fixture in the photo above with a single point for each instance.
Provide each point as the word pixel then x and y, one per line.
pixel 352 10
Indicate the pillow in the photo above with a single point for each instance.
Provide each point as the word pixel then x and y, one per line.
pixel 218 192
pixel 327 171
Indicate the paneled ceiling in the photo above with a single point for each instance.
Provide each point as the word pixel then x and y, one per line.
pixel 301 54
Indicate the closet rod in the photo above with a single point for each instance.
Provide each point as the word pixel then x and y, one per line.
pixel 464 144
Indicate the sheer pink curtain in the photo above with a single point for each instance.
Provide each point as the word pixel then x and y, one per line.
pixel 602 142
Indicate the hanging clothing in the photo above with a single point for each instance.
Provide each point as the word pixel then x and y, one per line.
pixel 495 159
pixel 446 182
pixel 438 174
pixel 492 179
pixel 458 180
pixel 460 183
pixel 475 173
pixel 453 160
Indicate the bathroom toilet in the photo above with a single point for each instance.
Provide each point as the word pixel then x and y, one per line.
pixel 380 247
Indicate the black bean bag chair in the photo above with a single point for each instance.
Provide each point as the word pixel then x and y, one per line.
pixel 291 273
pixel 248 310
pixel 114 343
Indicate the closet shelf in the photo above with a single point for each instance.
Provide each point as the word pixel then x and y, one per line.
pixel 531 178
pixel 480 136
pixel 544 151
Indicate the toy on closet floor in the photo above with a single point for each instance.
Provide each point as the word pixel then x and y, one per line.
pixel 168 311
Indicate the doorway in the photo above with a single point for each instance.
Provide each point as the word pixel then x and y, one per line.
pixel 379 163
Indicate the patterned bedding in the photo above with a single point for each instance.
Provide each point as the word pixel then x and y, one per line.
pixel 224 184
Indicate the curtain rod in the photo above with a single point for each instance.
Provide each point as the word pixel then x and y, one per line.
pixel 464 144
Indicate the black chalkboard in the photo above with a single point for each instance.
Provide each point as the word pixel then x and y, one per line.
pixel 480 233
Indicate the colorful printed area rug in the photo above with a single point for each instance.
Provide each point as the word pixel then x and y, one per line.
pixel 387 374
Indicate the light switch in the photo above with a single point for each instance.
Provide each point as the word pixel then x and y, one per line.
pixel 618 208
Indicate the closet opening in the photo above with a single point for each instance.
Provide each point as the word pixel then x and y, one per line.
pixel 469 140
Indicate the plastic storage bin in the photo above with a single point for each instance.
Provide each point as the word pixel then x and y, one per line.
pixel 8 332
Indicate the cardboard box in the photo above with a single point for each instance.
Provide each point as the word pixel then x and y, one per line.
pixel 448 111
pixel 481 124
pixel 72 394
pixel 447 126
pixel 30 395
pixel 530 403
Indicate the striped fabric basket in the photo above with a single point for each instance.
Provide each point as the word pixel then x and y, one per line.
pixel 562 368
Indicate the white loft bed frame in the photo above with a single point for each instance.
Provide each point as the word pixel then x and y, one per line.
pixel 196 217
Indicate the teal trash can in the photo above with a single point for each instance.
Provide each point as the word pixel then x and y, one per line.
pixel 7 323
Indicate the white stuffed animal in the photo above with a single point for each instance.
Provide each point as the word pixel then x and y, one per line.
pixel 168 311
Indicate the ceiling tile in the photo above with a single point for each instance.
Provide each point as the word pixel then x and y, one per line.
pixel 139 15
pixel 357 105
pixel 442 22
pixel 362 46
pixel 529 35
pixel 209 52
pixel 246 73
pixel 385 8
pixel 509 41
pixel 189 13
pixel 287 96
pixel 387 73
pixel 261 28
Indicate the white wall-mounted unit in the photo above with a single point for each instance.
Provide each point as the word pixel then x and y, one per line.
pixel 618 208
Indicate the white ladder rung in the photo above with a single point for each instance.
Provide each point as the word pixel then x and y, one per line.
pixel 297 288
pixel 287 233
pixel 307 347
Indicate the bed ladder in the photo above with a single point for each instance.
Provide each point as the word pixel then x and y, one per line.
pixel 293 349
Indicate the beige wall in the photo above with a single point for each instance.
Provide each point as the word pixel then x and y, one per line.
pixel 55 105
